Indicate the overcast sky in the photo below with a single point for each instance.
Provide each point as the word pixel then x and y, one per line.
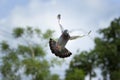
pixel 76 14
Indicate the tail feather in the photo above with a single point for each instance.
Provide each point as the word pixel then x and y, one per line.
pixel 60 53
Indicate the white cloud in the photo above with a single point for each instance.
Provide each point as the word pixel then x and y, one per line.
pixel 85 14
pixel 95 3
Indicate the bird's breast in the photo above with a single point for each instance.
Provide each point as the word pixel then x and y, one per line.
pixel 63 40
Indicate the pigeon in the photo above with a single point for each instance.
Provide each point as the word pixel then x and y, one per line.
pixel 58 47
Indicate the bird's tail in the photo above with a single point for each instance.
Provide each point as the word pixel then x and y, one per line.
pixel 60 53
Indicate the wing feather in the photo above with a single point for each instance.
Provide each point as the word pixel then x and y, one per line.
pixel 60 52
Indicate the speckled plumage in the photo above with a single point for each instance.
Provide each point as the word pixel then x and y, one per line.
pixel 58 48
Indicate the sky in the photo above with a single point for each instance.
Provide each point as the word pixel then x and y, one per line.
pixel 76 14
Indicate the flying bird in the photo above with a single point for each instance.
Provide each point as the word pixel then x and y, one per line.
pixel 58 47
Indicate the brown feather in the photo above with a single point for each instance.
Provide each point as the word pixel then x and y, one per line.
pixel 57 50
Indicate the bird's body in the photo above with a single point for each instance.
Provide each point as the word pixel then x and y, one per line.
pixel 58 47
pixel 63 39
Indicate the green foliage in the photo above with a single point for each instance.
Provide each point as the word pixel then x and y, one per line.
pixel 29 31
pixel 11 57
pixel 39 51
pixel 38 32
pixel 22 49
pixel 115 75
pixel 75 74
pixel 47 34
pixel 10 66
pixel 55 61
pixel 84 61
pixel 35 67
pixel 4 46
pixel 54 77
pixel 108 49
pixel 6 68
pixel 112 32
pixel 29 56
pixel 105 55
pixel 18 32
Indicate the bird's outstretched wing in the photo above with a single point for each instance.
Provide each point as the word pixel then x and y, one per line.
pixel 59 17
pixel 75 37
pixel 57 50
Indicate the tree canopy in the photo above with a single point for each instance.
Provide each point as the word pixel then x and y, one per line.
pixel 105 55
pixel 26 60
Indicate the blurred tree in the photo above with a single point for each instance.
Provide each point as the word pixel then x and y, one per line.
pixel 54 77
pixel 27 58
pixel 108 50
pixel 105 55
pixel 83 62
pixel 75 74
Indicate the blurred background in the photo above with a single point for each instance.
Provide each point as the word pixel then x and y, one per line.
pixel 27 25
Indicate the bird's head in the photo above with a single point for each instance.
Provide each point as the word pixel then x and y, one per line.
pixel 66 33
